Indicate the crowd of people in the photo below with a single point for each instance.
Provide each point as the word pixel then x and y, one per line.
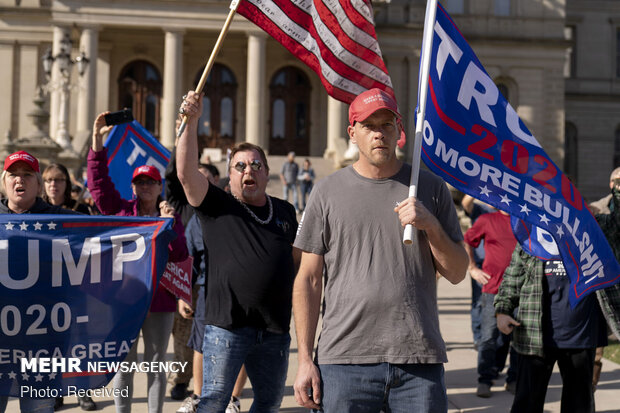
pixel 380 347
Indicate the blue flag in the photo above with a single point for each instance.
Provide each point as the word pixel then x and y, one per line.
pixel 535 240
pixel 475 140
pixel 129 146
pixel 75 289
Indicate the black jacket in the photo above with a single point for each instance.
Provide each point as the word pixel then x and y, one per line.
pixel 39 207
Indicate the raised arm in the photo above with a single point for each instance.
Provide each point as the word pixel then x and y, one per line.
pixel 100 185
pixel 306 306
pixel 194 183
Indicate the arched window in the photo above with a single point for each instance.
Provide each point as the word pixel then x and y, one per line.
pixel 289 91
pixel 139 88
pixel 216 128
pixel 503 89
pixel 570 151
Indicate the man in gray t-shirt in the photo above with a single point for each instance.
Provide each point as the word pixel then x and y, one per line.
pixel 380 342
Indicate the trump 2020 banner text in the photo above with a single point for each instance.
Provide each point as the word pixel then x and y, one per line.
pixel 130 145
pixel 476 141
pixel 74 292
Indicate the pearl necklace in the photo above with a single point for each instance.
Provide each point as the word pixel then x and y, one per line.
pixel 253 215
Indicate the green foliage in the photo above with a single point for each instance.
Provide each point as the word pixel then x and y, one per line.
pixel 612 351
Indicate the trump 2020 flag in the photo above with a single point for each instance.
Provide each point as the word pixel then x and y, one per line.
pixel 534 240
pixel 74 292
pixel 476 141
pixel 129 146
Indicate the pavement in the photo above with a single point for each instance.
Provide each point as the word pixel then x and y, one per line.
pixel 461 378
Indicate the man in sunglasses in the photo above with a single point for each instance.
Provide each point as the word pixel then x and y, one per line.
pixel 380 346
pixel 248 241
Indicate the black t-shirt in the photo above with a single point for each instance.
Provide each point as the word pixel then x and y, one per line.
pixel 251 268
pixel 565 327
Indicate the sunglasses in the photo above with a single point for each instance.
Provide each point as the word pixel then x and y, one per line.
pixel 254 165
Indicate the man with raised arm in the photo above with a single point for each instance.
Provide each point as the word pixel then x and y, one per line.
pixel 248 239
pixel 380 346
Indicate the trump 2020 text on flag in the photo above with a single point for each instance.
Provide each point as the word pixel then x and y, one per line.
pixel 476 141
pixel 130 145
pixel 73 288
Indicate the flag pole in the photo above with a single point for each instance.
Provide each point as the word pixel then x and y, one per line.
pixel 425 62
pixel 216 49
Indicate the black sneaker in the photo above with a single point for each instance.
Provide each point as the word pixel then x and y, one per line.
pixel 179 391
pixel 58 402
pixel 87 403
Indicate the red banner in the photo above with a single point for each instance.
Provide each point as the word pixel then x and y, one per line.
pixel 177 279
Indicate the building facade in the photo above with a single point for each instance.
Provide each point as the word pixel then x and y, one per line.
pixel 556 62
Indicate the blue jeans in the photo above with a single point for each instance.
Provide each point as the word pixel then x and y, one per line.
pixel 393 388
pixel 305 187
pixel 476 310
pixel 265 356
pixel 489 362
pixel 293 187
pixel 30 405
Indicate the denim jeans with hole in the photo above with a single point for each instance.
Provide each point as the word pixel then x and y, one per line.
pixel 265 356
pixel 391 388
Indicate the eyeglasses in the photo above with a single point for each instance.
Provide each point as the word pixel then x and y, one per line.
pixel 54 180
pixel 254 165
pixel 149 182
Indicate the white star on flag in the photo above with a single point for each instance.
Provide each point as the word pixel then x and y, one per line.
pixel 37 226
pixel 505 199
pixel 484 190
pixel 543 218
pixel 25 376
pixel 12 375
pixel 9 226
pixel 51 225
pixel 525 209
pixel 38 377
pixel 23 226
pixel 52 376
pixel 560 231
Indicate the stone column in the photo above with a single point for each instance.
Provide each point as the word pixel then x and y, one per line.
pixel 89 44
pixel 173 76
pixel 56 80
pixel 337 138
pixel 255 91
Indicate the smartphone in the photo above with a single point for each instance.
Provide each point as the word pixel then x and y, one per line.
pixel 122 116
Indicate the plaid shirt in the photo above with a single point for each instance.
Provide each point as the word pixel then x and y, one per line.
pixel 523 287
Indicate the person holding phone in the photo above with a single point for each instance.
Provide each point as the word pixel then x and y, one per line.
pixel 146 184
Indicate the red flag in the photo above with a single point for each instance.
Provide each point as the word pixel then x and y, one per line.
pixel 336 39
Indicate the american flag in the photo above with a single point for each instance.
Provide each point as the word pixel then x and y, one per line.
pixel 336 39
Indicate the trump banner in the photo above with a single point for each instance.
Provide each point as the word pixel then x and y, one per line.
pixel 74 292
pixel 476 141
pixel 130 145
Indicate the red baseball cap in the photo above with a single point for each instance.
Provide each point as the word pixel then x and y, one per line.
pixel 21 156
pixel 147 170
pixel 370 101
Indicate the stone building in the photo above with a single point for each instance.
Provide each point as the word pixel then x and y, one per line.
pixel 556 62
